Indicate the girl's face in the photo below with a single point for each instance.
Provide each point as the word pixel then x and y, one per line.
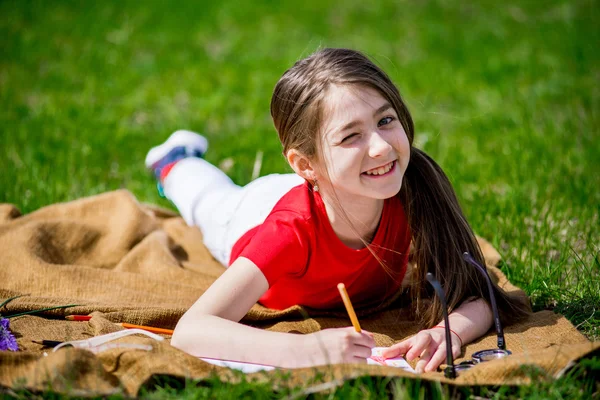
pixel 364 145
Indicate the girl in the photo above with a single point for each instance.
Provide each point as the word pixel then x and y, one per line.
pixel 359 196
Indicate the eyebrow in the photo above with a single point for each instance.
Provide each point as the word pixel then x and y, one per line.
pixel 352 124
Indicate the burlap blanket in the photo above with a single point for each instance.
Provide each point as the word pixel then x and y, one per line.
pixel 126 262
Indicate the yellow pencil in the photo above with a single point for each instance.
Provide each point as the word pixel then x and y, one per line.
pixel 349 308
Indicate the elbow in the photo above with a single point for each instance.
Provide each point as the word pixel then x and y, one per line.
pixel 177 340
pixel 180 337
pixel 187 335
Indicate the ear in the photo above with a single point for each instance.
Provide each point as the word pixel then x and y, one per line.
pixel 301 164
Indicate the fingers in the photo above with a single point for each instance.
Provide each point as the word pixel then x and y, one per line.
pixel 363 338
pixel 364 345
pixel 358 345
pixel 362 352
pixel 428 347
pixel 359 360
pixel 411 348
pixel 420 344
pixel 420 367
pixel 437 358
pixel 398 349
pixel 430 351
pixel 366 339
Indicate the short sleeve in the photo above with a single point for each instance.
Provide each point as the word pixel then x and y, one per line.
pixel 281 246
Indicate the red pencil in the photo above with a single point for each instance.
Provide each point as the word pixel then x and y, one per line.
pixel 78 317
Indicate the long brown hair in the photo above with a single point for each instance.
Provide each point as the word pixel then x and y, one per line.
pixel 440 232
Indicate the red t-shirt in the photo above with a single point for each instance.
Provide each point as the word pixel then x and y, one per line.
pixel 303 259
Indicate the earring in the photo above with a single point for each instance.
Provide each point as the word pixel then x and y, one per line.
pixel 315 186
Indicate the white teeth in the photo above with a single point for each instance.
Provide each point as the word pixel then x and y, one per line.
pixel 381 170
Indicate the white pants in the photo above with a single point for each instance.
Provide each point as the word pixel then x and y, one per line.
pixel 223 211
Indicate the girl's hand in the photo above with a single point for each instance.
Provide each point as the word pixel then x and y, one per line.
pixel 429 345
pixel 335 346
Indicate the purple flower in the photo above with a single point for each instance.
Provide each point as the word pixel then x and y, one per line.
pixel 7 339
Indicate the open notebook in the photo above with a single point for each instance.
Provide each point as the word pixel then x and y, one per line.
pixel 375 359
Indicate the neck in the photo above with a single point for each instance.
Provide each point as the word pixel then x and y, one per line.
pixel 361 219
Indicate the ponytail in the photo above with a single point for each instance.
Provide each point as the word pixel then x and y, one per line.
pixel 440 235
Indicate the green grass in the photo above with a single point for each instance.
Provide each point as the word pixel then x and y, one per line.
pixel 504 95
pixel 581 382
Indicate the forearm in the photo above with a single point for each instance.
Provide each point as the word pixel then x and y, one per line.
pixel 210 328
pixel 471 320
pixel 214 337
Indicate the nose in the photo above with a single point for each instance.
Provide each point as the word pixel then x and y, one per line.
pixel 378 145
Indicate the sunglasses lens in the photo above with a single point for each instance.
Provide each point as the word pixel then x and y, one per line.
pixel 489 355
pixel 463 366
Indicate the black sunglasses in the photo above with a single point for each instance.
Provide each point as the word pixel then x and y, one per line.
pixel 451 370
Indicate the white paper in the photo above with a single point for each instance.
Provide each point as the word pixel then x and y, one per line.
pixel 247 368
pixel 398 362
pixel 375 359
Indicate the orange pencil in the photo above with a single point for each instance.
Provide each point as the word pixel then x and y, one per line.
pixel 146 328
pixel 349 308
pixel 78 317
pixel 123 324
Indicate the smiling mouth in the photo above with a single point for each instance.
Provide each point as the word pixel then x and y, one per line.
pixel 381 170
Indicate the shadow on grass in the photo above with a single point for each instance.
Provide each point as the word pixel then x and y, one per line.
pixel 583 313
pixel 580 306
